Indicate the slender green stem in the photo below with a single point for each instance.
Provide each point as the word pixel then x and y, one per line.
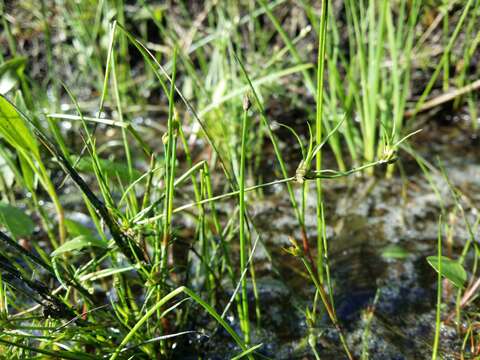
pixel 312 175
pixel 446 64
pixel 318 128
pixel 275 144
pixel 288 42
pixel 242 214
pixel 444 57
pixel 439 292
pixel 126 145
pixel 328 306
pixel 170 161
pixel 12 46
pixel 161 303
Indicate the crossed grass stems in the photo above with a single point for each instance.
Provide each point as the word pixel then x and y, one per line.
pixel 129 248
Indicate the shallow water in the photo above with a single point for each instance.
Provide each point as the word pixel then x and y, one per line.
pixel 365 217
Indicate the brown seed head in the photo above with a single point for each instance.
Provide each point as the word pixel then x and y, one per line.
pixel 246 103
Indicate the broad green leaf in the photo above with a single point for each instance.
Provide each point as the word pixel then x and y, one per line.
pixel 14 129
pixel 74 228
pixel 450 269
pixel 10 71
pixel 8 80
pixel 79 243
pixel 28 177
pixel 112 169
pixel 394 252
pixel 15 220
pixel 5 168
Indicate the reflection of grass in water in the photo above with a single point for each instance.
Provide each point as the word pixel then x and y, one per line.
pixel 127 179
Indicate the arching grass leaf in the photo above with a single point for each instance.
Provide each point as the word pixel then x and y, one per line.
pixel 75 228
pixel 112 169
pixel 10 71
pixel 15 220
pixel 451 270
pixel 15 131
pixel 394 252
pixel 79 243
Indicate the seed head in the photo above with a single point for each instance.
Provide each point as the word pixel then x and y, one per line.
pixel 246 103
